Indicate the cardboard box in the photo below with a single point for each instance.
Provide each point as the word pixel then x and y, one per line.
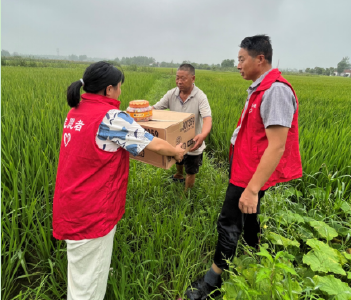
pixel 175 128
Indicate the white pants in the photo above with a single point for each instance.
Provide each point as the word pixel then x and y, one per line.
pixel 88 267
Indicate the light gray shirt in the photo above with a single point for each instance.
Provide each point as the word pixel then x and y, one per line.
pixel 278 105
pixel 196 104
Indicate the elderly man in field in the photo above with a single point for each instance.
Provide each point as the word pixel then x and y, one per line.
pixel 188 98
pixel 264 151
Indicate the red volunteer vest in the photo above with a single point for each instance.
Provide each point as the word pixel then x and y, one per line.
pixel 252 141
pixel 91 184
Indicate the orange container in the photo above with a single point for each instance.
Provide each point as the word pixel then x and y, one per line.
pixel 140 110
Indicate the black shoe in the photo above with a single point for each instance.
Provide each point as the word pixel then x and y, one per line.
pixel 201 290
pixel 175 179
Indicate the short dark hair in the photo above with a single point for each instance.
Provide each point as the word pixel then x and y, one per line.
pixel 97 77
pixel 257 45
pixel 187 67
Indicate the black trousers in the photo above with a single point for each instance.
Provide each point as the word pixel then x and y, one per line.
pixel 230 225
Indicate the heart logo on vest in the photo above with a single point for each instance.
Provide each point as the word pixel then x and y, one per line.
pixel 66 138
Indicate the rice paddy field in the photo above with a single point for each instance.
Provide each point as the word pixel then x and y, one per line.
pixel 167 237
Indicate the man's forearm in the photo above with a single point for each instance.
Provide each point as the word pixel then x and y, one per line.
pixel 276 136
pixel 269 161
pixel 162 104
pixel 206 127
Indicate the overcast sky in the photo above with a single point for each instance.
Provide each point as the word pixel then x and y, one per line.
pixel 304 33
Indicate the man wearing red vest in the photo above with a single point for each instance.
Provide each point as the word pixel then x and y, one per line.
pixel 264 151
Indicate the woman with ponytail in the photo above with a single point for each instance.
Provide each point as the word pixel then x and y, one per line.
pixel 92 176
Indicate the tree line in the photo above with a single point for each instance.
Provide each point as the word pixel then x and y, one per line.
pixel 226 65
pixel 343 65
pixel 150 61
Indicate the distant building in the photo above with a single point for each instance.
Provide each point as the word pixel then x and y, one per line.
pixel 346 73
pixel 154 64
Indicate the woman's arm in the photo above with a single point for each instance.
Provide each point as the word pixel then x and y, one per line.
pixel 164 148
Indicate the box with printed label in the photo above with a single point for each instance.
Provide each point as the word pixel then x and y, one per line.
pixel 175 128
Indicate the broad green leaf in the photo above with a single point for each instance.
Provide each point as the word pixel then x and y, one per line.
pixel 341 230
pixel 265 245
pixel 333 287
pixel 323 258
pixel 289 191
pixel 296 287
pixel 263 273
pixel 281 217
pixel 346 208
pixel 285 255
pixel 286 268
pixel 264 252
pixel 308 219
pixel 230 291
pixel 305 233
pixel 348 275
pixel 289 217
pixel 318 245
pixel 292 217
pixel 299 218
pixel 344 231
pixel 324 230
pixel 305 272
pixel 342 258
pixel 280 240
pixel 347 256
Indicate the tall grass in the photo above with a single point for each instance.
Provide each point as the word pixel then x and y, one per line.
pixel 166 237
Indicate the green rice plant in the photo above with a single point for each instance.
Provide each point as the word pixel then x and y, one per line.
pixel 166 238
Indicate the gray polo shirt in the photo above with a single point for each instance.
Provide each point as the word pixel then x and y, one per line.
pixel 278 105
pixel 196 104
